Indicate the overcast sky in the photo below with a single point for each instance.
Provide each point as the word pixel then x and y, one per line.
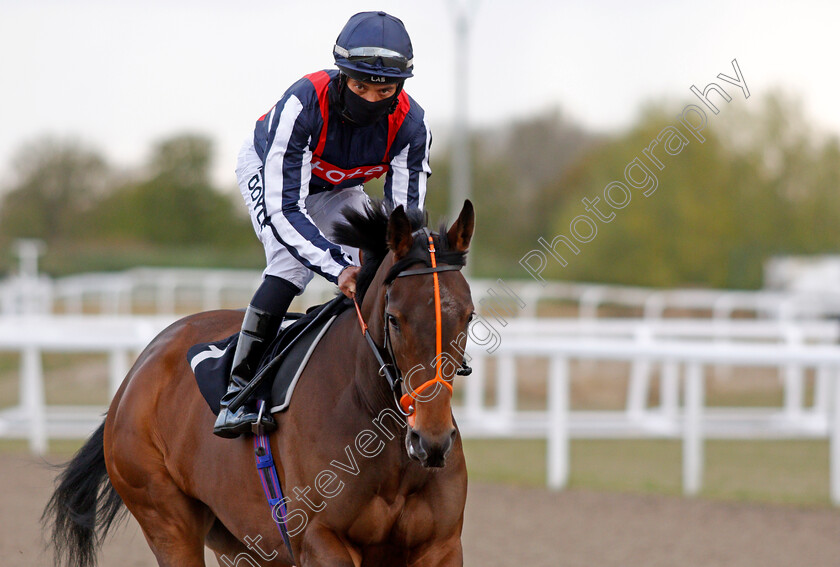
pixel 120 75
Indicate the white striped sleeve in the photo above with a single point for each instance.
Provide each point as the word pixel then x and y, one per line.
pixel 426 168
pixel 400 178
pixel 406 181
pixel 288 170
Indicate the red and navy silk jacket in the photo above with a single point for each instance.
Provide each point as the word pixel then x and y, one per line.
pixel 306 149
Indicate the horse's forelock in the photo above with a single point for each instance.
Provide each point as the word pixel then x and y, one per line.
pixel 367 230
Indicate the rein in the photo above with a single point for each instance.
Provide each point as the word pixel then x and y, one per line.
pixel 390 371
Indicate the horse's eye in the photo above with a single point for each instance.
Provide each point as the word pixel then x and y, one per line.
pixel 471 317
pixel 392 321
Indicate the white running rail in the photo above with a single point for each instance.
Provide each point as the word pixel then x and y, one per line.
pixel 684 352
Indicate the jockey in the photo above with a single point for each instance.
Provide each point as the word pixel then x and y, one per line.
pixel 308 159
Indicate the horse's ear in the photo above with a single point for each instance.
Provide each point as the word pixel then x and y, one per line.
pixel 461 231
pixel 399 235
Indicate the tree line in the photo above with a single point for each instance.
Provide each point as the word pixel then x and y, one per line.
pixel 764 182
pixel 93 217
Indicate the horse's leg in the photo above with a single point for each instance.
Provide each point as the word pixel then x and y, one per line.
pixel 230 551
pixel 322 548
pixel 173 523
pixel 439 554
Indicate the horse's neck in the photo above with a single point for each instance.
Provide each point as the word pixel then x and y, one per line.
pixel 373 394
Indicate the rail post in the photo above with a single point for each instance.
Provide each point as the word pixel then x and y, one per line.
pixel 474 388
pixel 693 430
pixel 669 389
pixel 834 436
pixel 639 377
pixel 558 423
pixel 506 390
pixel 794 377
pixel 117 369
pixel 32 394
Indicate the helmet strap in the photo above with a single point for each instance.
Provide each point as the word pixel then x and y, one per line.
pixel 338 100
pixel 396 95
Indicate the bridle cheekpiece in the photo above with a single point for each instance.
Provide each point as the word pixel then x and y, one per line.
pixel 423 251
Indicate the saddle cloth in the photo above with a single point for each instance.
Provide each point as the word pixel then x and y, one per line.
pixel 297 339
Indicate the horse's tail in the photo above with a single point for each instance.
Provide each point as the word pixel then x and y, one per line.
pixel 83 503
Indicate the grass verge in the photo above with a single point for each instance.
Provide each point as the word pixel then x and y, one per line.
pixel 789 472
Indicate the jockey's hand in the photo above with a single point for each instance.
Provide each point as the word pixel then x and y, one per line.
pixel 347 281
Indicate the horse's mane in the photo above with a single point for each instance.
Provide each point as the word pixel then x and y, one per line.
pixel 367 230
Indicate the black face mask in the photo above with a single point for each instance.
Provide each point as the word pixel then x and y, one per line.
pixel 364 113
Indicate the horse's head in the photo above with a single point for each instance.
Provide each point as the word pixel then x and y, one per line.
pixel 427 307
pixel 417 304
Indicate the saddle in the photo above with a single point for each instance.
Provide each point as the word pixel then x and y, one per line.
pixel 287 354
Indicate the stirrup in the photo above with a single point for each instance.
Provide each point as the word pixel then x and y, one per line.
pixel 242 426
pixel 257 428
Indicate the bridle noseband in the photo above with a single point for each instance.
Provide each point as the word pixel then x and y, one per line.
pixel 389 370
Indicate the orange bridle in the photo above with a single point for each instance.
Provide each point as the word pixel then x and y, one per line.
pixel 407 403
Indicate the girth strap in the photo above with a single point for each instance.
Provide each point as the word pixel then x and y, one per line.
pixel 271 483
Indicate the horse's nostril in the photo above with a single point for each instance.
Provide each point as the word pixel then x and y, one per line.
pixel 416 447
pixel 449 443
pixel 430 452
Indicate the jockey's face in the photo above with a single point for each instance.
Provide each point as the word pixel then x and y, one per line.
pixel 369 91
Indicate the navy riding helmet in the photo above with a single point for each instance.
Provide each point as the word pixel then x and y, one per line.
pixel 374 47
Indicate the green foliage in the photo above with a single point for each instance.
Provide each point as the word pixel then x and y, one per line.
pixel 170 215
pixel 511 167
pixel 108 255
pixel 760 184
pixel 57 180
pixel 176 205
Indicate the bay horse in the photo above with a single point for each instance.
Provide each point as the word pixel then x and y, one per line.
pixel 366 486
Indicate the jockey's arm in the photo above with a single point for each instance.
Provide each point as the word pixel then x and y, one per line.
pixel 287 172
pixel 405 183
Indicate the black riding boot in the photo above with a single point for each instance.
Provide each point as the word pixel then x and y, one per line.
pixel 262 319
pixel 258 328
